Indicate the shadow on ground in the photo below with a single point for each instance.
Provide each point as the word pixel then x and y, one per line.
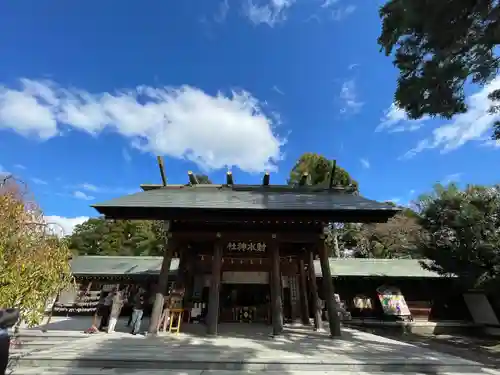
pixel 480 348
pixel 249 347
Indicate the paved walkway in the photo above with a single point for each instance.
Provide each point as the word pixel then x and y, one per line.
pixel 249 348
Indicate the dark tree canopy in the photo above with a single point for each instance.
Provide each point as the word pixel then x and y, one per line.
pixel 462 233
pixel 438 46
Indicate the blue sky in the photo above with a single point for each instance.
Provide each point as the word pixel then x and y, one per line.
pixel 91 91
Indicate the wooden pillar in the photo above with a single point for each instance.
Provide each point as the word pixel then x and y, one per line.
pixel 276 291
pixel 316 303
pixel 331 303
pixel 213 301
pixel 304 303
pixel 161 287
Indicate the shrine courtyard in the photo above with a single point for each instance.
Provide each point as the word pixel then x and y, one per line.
pixel 242 349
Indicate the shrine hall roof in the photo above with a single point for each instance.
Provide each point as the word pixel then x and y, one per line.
pixel 144 266
pixel 231 201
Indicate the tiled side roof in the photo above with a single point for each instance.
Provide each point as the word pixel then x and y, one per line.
pixel 119 265
pixel 113 266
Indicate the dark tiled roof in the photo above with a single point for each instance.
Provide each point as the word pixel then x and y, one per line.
pixel 321 203
pixel 134 266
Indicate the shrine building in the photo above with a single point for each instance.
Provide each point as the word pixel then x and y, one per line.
pixel 249 243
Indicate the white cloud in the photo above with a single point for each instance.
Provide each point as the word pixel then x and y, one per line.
pixel 395 120
pixel 89 187
pixel 39 181
pixel 186 123
pixel 126 155
pixel 81 195
pixel 3 172
pixel 342 12
pixel 329 3
pixel 277 90
pixel 19 166
pixel 94 189
pixel 222 12
pixel 365 163
pixel 474 125
pixel 64 226
pixel 454 177
pixel 349 97
pixel 269 12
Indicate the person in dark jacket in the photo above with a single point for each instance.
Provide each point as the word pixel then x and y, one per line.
pixel 8 318
pixel 138 312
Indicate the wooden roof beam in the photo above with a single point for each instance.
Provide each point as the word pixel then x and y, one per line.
pixel 303 179
pixel 229 178
pixel 192 178
pixel 161 165
pixel 266 179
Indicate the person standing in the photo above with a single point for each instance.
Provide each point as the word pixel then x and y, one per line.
pixel 138 312
pixel 106 310
pixel 4 349
pixel 116 308
pixel 8 318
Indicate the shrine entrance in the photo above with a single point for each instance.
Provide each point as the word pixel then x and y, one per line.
pixel 240 246
pixel 245 303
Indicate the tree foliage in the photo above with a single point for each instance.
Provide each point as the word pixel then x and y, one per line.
pixel 397 238
pixel 98 236
pixel 462 232
pixel 34 263
pixel 438 46
pixel 319 169
pixel 203 179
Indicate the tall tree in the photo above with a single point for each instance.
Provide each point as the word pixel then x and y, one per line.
pixel 462 233
pixel 319 169
pixel 203 179
pixel 34 262
pixel 438 46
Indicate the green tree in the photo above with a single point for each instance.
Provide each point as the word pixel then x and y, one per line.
pixel 203 179
pixel 319 169
pixel 462 233
pixel 438 46
pixel 98 236
pixel 34 263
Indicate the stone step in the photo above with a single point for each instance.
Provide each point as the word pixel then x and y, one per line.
pixel 266 365
pixel 107 371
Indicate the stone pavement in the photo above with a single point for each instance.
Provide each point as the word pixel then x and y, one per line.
pixel 241 349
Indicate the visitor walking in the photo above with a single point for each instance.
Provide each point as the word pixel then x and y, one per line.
pixel 137 313
pixel 116 308
pixel 106 310
pixel 132 292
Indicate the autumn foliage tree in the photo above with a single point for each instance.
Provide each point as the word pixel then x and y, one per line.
pixel 34 263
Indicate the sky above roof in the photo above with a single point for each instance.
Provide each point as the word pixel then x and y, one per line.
pixel 90 93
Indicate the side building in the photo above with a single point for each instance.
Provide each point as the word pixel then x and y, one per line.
pixel 367 289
